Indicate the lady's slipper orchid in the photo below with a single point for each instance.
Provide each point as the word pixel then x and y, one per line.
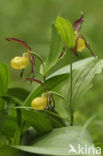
pixel 22 62
pixel 44 102
pixel 81 43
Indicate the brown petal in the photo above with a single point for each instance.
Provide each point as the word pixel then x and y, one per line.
pixel 88 46
pixel 74 50
pixel 23 43
pixel 62 53
pixel 21 73
pixel 32 60
pixel 78 22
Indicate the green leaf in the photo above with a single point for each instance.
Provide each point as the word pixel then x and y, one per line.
pixel 82 79
pixel 55 51
pixel 3 116
pixel 9 151
pixel 76 66
pixel 4 79
pixel 15 96
pixel 19 93
pixel 65 30
pixel 62 33
pixel 9 126
pixel 84 72
pixel 41 121
pixel 38 120
pixel 58 142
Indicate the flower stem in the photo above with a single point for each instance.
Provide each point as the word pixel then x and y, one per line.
pixel 71 109
pixel 17 136
pixel 3 116
pixel 57 94
pixel 40 58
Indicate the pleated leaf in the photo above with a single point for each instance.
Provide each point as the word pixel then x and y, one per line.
pixel 4 79
pixel 65 30
pixel 59 141
pixel 55 51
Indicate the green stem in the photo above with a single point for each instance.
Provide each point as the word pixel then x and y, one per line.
pixel 71 109
pixel 57 94
pixel 16 139
pixel 17 136
pixel 40 58
pixel 42 63
pixel 2 119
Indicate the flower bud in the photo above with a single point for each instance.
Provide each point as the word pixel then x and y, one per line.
pixel 80 44
pixel 39 103
pixel 20 62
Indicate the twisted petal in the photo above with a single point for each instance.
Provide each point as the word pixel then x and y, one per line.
pixel 23 43
pixel 77 24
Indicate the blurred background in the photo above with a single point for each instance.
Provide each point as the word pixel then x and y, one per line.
pixel 30 20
